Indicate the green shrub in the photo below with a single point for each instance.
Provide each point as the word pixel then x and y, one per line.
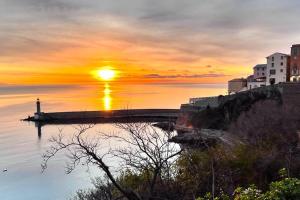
pixel 285 189
pixel 288 188
pixel 250 193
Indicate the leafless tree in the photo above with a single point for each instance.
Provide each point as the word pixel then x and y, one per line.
pixel 143 148
pixel 147 150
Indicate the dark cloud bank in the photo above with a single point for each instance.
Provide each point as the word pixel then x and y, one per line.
pixel 215 29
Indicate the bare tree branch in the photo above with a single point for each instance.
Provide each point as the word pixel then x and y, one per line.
pixel 143 148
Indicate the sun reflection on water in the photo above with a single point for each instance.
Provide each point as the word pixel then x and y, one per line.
pixel 107 100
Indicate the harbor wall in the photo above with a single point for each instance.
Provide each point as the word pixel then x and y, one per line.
pixel 166 113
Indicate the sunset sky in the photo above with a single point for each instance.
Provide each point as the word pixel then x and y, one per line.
pixel 146 41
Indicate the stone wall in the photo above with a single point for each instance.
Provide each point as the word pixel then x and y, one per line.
pixel 290 93
pixel 205 101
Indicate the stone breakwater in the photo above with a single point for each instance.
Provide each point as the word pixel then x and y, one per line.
pixel 106 116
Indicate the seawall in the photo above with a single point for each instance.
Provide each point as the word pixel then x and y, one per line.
pixel 106 116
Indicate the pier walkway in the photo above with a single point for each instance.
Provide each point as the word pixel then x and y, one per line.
pixel 132 115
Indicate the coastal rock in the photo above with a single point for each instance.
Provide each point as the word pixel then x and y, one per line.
pixel 166 126
pixel 204 138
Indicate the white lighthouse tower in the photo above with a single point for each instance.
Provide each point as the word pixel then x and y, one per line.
pixel 37 115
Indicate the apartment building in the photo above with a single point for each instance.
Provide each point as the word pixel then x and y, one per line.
pixel 278 68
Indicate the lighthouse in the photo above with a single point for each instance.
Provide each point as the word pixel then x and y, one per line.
pixel 38 106
pixel 37 115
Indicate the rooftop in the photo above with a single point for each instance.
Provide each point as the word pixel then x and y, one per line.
pixel 296 45
pixel 260 66
pixel 257 81
pixel 238 80
pixel 283 54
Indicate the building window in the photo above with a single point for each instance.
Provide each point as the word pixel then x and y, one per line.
pixel 295 69
pixel 295 52
pixel 272 58
pixel 281 57
pixel 281 63
pixel 263 74
pixel 281 70
pixel 272 72
pixel 272 64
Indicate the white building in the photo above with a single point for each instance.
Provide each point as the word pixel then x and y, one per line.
pixel 255 84
pixel 237 85
pixel 258 79
pixel 259 71
pixel 278 65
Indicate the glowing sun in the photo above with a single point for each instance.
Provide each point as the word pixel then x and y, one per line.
pixel 106 74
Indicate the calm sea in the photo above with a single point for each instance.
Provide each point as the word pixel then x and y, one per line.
pixel 21 147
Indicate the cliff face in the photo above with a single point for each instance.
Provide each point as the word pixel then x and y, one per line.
pixel 248 137
pixel 228 111
pixel 246 115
